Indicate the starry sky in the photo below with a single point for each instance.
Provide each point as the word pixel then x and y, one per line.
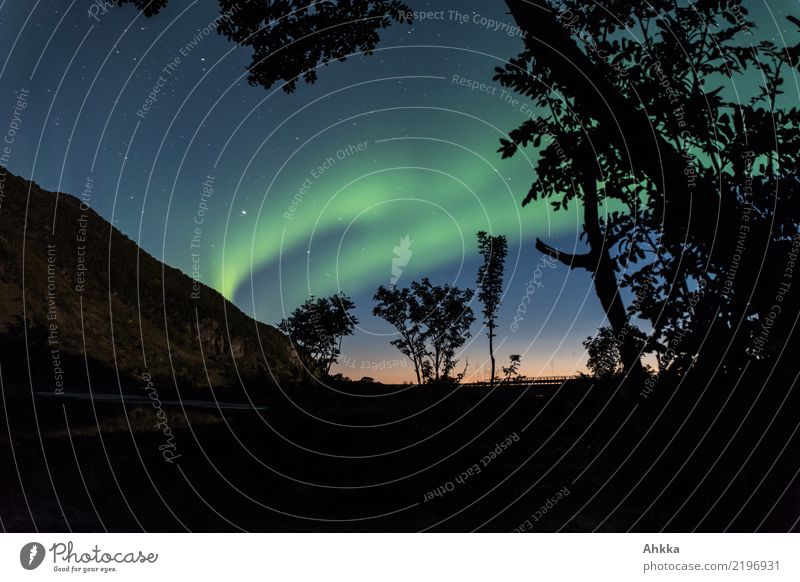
pixel 269 197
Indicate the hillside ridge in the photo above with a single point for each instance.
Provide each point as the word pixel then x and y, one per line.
pixel 73 285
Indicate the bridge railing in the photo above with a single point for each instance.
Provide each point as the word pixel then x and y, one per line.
pixel 523 381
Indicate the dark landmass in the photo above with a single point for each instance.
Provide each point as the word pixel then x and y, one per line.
pixel 707 451
pixel 389 458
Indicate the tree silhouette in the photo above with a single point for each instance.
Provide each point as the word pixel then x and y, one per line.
pixel 433 322
pixel 401 309
pixel 511 372
pixel 605 355
pixel 317 328
pixel 292 38
pixel 447 318
pixel 638 126
pixel 493 249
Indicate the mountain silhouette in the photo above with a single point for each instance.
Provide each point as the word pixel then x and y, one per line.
pixel 85 309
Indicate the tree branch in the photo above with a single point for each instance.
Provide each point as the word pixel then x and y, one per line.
pixel 582 261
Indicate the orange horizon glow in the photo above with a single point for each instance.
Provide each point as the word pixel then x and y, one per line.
pixel 405 374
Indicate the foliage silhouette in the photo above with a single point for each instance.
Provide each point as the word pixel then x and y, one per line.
pixel 639 127
pixel 511 371
pixel 604 349
pixel 292 38
pixel 317 327
pixel 433 322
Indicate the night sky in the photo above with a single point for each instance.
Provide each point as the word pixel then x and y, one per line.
pixel 269 197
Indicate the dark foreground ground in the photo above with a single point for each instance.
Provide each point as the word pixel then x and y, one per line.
pixel 574 458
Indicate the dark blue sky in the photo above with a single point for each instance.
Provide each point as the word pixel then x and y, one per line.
pixel 308 192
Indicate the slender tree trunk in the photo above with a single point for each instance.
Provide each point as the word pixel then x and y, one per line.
pixel 412 353
pixel 416 371
pixel 333 359
pixel 416 361
pixel 491 352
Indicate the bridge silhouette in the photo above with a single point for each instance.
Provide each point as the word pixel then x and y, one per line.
pixel 523 381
